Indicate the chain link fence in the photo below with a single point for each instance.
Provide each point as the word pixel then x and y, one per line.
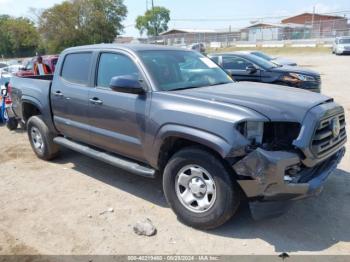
pixel 311 33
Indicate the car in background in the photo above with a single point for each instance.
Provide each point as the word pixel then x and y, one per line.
pixel 341 45
pixel 199 47
pixel 247 67
pixel 276 60
pixel 3 64
pixel 28 69
pixel 9 71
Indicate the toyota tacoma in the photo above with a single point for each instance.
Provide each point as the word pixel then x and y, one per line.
pixel 175 113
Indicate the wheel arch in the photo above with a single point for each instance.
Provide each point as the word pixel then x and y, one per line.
pixel 172 138
pixel 30 108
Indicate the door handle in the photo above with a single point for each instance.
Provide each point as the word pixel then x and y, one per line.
pixel 58 93
pixel 96 101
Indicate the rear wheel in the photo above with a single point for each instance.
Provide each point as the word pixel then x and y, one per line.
pixel 199 189
pixel 41 139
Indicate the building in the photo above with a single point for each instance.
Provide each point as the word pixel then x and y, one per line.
pixel 185 37
pixel 129 40
pixel 322 25
pixel 274 32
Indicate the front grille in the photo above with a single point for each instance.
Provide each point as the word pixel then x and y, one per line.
pixel 326 138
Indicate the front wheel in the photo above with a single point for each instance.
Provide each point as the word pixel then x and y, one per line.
pixel 41 139
pixel 197 186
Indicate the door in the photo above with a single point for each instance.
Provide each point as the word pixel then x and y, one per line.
pixel 238 68
pixel 117 119
pixel 69 96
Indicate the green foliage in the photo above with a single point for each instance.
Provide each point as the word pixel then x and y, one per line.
pixel 80 22
pixel 18 37
pixel 154 21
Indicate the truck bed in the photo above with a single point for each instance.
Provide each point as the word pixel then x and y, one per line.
pixel 32 89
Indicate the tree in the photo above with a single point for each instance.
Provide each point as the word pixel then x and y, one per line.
pixel 80 22
pixel 5 45
pixel 154 21
pixel 19 37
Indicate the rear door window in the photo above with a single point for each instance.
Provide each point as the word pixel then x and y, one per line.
pixel 76 68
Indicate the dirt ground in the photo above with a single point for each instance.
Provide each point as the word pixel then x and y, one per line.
pixel 54 207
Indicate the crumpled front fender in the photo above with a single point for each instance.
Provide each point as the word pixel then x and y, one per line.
pixel 266 170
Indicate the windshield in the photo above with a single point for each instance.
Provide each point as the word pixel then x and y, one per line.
pixel 174 70
pixel 344 41
pixel 263 56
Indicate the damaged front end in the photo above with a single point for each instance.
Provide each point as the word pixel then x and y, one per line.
pixel 273 171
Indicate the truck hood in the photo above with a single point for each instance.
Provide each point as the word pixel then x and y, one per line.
pixel 278 103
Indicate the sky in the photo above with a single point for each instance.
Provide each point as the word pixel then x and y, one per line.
pixel 236 13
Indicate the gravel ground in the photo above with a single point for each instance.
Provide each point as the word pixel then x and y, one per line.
pixel 58 207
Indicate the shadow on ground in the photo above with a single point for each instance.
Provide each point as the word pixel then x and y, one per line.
pixel 145 188
pixel 313 224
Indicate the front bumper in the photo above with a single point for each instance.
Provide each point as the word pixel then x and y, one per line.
pixel 265 173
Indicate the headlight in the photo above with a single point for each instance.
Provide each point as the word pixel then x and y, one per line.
pixel 294 77
pixel 270 135
pixel 252 130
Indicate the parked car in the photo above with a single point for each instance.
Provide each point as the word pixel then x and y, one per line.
pixel 28 69
pixel 4 101
pixel 9 71
pixel 276 60
pixel 3 64
pixel 341 45
pixel 199 47
pixel 163 110
pixel 246 67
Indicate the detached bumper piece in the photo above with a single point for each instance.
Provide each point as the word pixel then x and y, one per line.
pixel 266 171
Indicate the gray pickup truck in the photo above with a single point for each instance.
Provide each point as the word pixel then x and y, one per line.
pixel 174 113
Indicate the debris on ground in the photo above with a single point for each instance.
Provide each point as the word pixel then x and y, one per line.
pixel 145 228
pixel 109 210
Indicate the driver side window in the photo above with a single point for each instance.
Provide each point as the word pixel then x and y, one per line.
pixel 235 63
pixel 112 65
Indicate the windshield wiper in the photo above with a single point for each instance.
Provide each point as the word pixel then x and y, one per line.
pixel 183 88
pixel 220 83
pixel 190 87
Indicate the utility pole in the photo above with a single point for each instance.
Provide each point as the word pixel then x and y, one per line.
pixel 155 22
pixel 313 20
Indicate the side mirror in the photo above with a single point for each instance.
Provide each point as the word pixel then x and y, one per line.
pixel 126 84
pixel 251 69
pixel 4 90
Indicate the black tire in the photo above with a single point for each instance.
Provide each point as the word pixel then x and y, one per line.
pixel 227 198
pixel 48 149
pixel 12 123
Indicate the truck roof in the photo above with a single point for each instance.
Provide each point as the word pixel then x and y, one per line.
pixel 127 47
